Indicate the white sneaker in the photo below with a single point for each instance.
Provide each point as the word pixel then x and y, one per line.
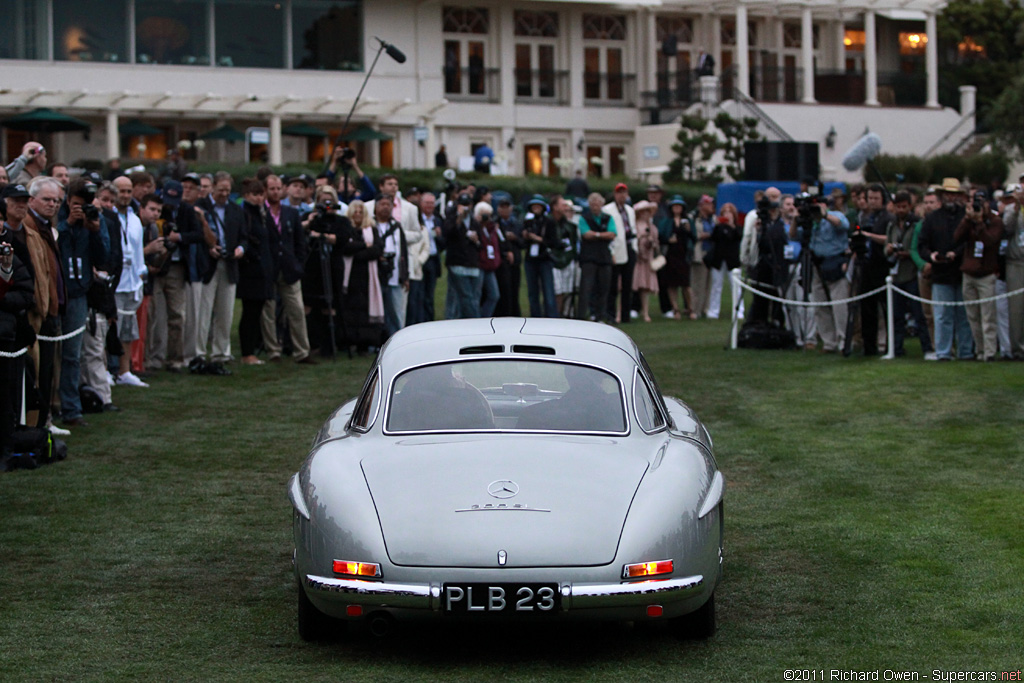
pixel 110 379
pixel 634 315
pixel 57 431
pixel 669 314
pixel 131 380
pixel 930 356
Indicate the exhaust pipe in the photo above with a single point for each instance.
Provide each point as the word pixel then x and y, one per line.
pixel 381 624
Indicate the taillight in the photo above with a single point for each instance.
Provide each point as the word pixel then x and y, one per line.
pixel 363 569
pixel 642 570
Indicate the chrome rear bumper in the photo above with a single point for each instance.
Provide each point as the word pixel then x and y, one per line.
pixel 428 596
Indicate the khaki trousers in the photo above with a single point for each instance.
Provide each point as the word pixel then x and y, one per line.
pixel 216 314
pixel 982 317
pixel 193 302
pixel 294 313
pixel 94 358
pixel 166 329
pixel 831 320
pixel 700 284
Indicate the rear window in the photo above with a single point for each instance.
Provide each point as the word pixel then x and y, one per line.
pixel 507 395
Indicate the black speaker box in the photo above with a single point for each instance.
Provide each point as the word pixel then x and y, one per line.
pixel 780 160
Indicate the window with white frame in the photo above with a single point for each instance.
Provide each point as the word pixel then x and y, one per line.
pixel 604 55
pixel 536 46
pixel 466 32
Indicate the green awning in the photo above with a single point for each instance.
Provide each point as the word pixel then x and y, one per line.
pixel 45 121
pixel 136 128
pixel 225 132
pixel 366 134
pixel 303 130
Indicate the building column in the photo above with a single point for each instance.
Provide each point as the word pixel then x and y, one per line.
pixel 275 140
pixel 113 136
pixel 651 54
pixel 931 60
pixel 870 60
pixel 574 58
pixel 507 56
pixel 742 50
pixel 716 41
pixel 807 53
pixel 839 37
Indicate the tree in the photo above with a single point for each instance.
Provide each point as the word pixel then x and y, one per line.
pixel 980 44
pixel 1006 118
pixel 736 132
pixel 695 145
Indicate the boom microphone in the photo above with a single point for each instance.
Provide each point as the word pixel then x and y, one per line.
pixel 392 51
pixel 866 149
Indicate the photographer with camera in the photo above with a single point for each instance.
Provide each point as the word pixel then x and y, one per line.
pixel 353 184
pixel 767 253
pixel 83 242
pixel 904 275
pixel 823 233
pixel 980 232
pixel 937 246
pixel 30 164
pixel 462 258
pixel 873 230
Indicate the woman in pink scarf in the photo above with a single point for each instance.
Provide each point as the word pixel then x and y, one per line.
pixel 360 291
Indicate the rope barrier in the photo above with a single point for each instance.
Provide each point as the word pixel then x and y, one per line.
pixel 740 283
pixel 63 337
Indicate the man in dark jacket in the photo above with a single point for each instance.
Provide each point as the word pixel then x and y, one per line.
pixel 288 249
pixel 394 269
pixel 936 245
pixel 874 223
pixel 83 243
pixel 462 257
pixel 16 298
pixel 980 232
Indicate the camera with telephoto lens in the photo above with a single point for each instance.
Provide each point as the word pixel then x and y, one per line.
pixel 87 193
pixel 764 209
pixel 465 199
pixel 5 249
pixel 347 155
pixel 979 202
pixel 169 227
pixel 91 212
pixel 324 205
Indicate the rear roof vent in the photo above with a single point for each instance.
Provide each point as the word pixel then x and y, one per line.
pixel 529 348
pixel 473 350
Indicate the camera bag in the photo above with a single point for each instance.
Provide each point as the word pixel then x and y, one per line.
pixel 759 335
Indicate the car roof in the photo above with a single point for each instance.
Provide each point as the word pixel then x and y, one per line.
pixel 554 338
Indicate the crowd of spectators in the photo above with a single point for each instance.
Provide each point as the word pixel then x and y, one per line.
pixel 149 269
pixel 950 244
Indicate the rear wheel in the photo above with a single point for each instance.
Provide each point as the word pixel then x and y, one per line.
pixel 699 625
pixel 313 624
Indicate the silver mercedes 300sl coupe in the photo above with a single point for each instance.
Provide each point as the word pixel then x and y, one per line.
pixel 509 469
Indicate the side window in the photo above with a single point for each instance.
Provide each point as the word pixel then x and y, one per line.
pixel 647 412
pixel 366 409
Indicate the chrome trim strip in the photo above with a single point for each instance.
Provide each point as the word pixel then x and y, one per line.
pixel 636 416
pixel 643 589
pixel 375 593
pixel 503 508
pixel 714 497
pixel 295 496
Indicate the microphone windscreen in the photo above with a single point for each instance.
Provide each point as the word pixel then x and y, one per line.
pixel 866 149
pixel 395 54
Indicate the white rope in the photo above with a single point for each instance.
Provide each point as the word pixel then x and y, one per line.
pixel 757 292
pixel 63 337
pixel 933 302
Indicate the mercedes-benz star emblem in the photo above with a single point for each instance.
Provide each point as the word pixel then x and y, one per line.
pixel 503 488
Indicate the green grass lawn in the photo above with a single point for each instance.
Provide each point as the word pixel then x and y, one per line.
pixel 873 522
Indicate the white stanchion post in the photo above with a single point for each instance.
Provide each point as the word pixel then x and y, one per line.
pixel 890 347
pixel 737 294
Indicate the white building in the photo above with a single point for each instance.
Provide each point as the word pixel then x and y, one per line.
pixel 549 85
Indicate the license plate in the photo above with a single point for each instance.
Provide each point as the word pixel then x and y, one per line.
pixel 501 598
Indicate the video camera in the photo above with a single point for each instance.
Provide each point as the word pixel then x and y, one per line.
pixel 808 205
pixel 324 205
pixel 764 209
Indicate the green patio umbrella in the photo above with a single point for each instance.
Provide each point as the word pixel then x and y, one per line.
pixel 303 130
pixel 365 134
pixel 225 132
pixel 136 128
pixel 45 121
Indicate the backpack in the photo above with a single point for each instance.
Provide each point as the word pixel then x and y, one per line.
pixel 34 446
pixel 759 335
pixel 91 401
